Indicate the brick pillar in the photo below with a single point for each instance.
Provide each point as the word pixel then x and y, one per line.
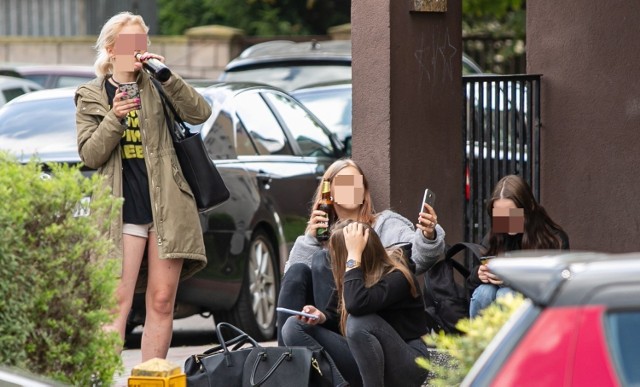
pixel 407 106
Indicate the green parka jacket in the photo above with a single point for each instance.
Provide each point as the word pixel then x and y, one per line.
pixel 175 215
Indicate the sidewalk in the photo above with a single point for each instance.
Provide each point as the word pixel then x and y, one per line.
pixel 177 355
pixel 197 326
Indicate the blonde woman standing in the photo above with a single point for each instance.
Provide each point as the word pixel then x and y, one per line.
pixel 127 141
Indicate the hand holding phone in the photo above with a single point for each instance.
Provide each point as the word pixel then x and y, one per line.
pixel 297 312
pixel 132 91
pixel 429 197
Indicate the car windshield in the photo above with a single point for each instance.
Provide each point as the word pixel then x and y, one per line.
pixel 33 126
pixel 291 77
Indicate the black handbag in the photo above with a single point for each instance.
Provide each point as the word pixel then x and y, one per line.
pixel 291 367
pixel 222 365
pixel 197 167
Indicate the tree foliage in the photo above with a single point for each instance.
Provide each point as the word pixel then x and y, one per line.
pixel 502 17
pixel 255 17
pixel 462 351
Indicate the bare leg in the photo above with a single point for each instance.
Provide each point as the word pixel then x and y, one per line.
pixel 164 275
pixel 133 253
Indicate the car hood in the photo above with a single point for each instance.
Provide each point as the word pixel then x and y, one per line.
pixel 50 147
pixel 540 274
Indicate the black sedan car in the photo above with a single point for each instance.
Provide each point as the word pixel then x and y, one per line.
pixel 271 153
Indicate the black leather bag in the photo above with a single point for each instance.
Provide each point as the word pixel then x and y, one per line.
pixel 222 365
pixel 291 367
pixel 197 167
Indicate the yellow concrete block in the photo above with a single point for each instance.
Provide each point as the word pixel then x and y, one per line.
pixel 157 373
pixel 156 367
pixel 179 380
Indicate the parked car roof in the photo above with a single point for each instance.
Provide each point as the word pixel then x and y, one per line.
pixel 540 277
pixel 293 65
pixel 263 54
pixel 51 76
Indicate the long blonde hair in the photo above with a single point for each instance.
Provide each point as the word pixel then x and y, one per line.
pixel 367 213
pixel 107 39
pixel 375 262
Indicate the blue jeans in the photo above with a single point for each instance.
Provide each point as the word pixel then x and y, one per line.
pixel 383 357
pixel 484 295
pixel 303 285
pixel 298 333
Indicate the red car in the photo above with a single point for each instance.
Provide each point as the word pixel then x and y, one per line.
pixel 580 326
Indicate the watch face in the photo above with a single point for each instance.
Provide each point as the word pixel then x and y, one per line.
pixel 351 263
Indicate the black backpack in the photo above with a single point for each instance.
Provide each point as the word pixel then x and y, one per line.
pixel 446 293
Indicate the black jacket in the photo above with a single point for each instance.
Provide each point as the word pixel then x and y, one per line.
pixel 390 298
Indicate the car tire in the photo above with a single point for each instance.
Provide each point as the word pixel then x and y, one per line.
pixel 255 310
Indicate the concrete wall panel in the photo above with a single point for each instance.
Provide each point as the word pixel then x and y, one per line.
pixel 588 55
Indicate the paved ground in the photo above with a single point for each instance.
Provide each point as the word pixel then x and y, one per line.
pixel 194 326
pixel 193 335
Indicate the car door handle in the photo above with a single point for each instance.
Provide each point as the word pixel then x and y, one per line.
pixel 264 179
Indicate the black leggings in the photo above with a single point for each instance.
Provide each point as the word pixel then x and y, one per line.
pixel 303 285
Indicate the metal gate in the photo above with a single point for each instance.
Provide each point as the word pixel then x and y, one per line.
pixel 501 132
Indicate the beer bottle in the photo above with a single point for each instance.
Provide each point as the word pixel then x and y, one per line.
pixel 159 70
pixel 326 205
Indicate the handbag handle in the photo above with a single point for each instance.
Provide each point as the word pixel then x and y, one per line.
pixel 238 341
pixel 285 356
pixel 183 131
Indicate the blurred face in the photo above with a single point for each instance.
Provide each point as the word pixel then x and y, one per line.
pixel 130 40
pixel 507 217
pixel 348 188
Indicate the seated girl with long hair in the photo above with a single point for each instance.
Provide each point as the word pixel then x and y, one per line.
pixel 538 232
pixel 308 279
pixel 380 312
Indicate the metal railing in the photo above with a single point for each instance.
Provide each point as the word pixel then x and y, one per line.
pixel 501 132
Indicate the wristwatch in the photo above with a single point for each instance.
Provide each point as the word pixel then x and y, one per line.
pixel 351 263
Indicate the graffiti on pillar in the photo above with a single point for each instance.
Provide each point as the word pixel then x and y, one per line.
pixel 435 58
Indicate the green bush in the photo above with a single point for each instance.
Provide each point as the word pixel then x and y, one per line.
pixel 463 350
pixel 56 289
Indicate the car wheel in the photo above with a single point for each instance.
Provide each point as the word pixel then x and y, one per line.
pixel 255 310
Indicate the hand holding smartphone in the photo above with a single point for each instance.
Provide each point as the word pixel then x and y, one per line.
pixel 429 198
pixel 132 91
pixel 297 312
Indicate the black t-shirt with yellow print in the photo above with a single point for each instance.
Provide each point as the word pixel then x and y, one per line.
pixel 135 183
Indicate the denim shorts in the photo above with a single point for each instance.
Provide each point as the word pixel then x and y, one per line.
pixel 139 230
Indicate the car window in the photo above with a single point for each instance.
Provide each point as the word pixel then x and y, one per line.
pixel 259 121
pixel 12 93
pixel 244 145
pixel 219 139
pixel 332 108
pixel 311 139
pixel 624 341
pixel 39 79
pixel 71 80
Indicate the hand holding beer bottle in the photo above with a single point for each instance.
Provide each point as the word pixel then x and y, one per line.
pixel 326 206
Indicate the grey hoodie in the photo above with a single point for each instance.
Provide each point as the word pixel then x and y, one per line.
pixel 391 228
